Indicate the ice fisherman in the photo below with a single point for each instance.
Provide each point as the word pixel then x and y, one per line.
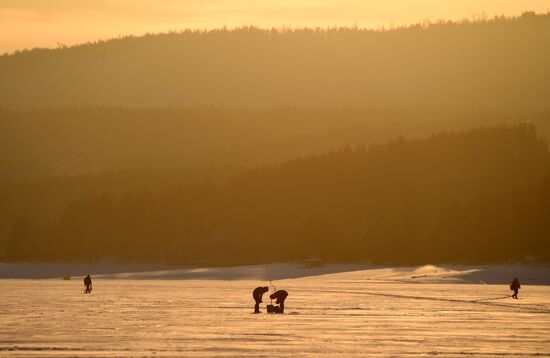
pixel 88 283
pixel 515 286
pixel 257 295
pixel 280 297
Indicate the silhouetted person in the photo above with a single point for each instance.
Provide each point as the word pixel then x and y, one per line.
pixel 515 286
pixel 257 295
pixel 88 283
pixel 280 297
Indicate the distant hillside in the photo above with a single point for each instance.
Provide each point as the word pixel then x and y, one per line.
pixel 474 196
pixel 72 141
pixel 500 63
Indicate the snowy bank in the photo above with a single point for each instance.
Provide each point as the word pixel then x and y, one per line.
pixel 489 274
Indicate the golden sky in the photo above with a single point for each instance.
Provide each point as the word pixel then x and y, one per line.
pixel 47 23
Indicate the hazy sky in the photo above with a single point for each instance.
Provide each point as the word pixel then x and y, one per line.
pixel 45 23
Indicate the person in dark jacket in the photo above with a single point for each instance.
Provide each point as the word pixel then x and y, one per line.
pixel 257 295
pixel 515 286
pixel 280 297
pixel 88 283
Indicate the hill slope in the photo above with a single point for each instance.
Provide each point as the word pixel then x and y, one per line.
pixel 480 195
pixel 501 63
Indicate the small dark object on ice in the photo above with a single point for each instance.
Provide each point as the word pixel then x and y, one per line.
pixel 515 286
pixel 280 297
pixel 88 284
pixel 257 295
pixel 274 309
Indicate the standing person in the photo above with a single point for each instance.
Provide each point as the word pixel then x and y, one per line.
pixel 88 283
pixel 257 295
pixel 515 286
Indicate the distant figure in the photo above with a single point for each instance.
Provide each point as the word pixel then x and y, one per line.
pixel 515 286
pixel 280 297
pixel 88 284
pixel 257 295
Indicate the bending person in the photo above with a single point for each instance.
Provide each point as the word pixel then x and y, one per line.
pixel 257 295
pixel 280 297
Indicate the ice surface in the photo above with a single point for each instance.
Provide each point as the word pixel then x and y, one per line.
pixel 420 311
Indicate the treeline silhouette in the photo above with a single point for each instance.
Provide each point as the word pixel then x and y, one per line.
pixel 495 63
pixel 45 199
pixel 472 196
pixel 50 157
pixel 43 143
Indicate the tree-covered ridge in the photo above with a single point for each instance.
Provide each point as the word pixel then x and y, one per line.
pixel 499 63
pixel 474 196
pixel 43 143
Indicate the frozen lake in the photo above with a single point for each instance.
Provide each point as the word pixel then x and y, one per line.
pixel 376 312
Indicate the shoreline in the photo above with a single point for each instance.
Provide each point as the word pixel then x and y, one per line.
pixel 534 274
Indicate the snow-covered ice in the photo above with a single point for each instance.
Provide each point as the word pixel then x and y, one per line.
pixel 334 310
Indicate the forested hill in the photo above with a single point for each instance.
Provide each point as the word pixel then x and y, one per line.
pixel 61 142
pixel 499 63
pixel 474 196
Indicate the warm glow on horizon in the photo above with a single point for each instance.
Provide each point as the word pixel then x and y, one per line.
pixel 36 23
